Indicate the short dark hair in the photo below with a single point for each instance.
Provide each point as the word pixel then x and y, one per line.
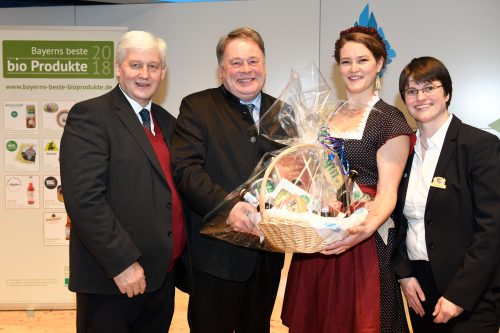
pixel 245 33
pixel 425 69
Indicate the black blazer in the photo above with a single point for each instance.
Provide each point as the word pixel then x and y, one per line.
pixel 115 193
pixel 215 150
pixel 462 222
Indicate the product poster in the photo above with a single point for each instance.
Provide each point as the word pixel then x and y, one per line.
pixel 52 192
pixel 45 71
pixel 50 154
pixel 20 117
pixel 21 154
pixel 54 229
pixel 54 116
pixel 22 192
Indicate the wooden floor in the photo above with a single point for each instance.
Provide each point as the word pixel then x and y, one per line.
pixel 63 321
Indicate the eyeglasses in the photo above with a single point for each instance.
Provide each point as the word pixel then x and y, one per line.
pixel 427 90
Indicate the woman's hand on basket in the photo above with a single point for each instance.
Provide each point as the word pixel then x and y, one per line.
pixel 356 236
pixel 242 217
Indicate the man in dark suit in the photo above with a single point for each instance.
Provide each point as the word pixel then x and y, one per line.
pixel 214 151
pixel 448 212
pixel 127 227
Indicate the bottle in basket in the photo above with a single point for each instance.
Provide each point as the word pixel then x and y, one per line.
pixel 245 195
pixel 345 191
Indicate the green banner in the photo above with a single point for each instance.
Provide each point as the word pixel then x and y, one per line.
pixel 58 59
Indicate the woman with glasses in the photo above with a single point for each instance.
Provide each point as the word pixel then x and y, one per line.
pixel 448 212
pixel 350 287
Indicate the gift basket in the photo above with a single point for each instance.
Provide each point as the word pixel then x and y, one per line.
pixel 305 194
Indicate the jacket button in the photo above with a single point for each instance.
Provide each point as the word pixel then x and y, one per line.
pixel 169 234
pixel 431 246
pixel 253 139
pixel 169 205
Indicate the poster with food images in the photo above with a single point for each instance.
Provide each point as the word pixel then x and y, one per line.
pixel 52 192
pixel 54 115
pixel 45 71
pixel 50 154
pixel 22 192
pixel 21 154
pixel 54 229
pixel 20 117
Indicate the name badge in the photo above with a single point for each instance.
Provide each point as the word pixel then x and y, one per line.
pixel 439 182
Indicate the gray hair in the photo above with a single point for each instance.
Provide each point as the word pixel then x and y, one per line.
pixel 141 40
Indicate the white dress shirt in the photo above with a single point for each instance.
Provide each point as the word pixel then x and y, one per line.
pixel 256 107
pixel 137 108
pixel 422 172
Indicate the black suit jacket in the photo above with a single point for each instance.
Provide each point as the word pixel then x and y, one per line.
pixel 462 222
pixel 214 151
pixel 115 193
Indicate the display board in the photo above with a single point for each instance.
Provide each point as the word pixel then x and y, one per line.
pixel 45 71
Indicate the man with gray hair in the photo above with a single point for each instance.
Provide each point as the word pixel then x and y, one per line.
pixel 214 150
pixel 127 221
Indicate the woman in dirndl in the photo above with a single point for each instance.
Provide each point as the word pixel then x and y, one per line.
pixel 350 286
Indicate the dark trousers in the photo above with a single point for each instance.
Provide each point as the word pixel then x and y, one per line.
pixel 146 313
pixel 222 306
pixel 484 318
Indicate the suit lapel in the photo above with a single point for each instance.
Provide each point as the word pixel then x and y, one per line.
pixel 449 148
pixel 129 119
pixel 403 186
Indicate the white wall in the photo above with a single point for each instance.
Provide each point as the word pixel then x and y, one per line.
pixel 192 31
pixel 463 35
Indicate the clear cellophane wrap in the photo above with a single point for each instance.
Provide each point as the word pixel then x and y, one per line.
pixel 305 194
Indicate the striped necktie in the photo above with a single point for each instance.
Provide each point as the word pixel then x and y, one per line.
pixel 250 108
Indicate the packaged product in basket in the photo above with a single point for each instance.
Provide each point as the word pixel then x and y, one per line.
pixel 305 195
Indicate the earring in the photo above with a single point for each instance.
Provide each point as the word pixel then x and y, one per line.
pixel 378 85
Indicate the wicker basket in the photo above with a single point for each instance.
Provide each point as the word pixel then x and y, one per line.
pixel 290 234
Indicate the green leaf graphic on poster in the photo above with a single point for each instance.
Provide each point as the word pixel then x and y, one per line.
pixel 495 125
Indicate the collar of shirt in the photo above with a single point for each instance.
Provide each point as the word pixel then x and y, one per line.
pixel 138 107
pixel 436 141
pixel 422 172
pixel 357 133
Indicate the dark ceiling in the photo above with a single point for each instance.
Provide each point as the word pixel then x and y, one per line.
pixel 39 3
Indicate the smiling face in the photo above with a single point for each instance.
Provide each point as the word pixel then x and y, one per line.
pixel 358 68
pixel 427 108
pixel 242 69
pixel 140 74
